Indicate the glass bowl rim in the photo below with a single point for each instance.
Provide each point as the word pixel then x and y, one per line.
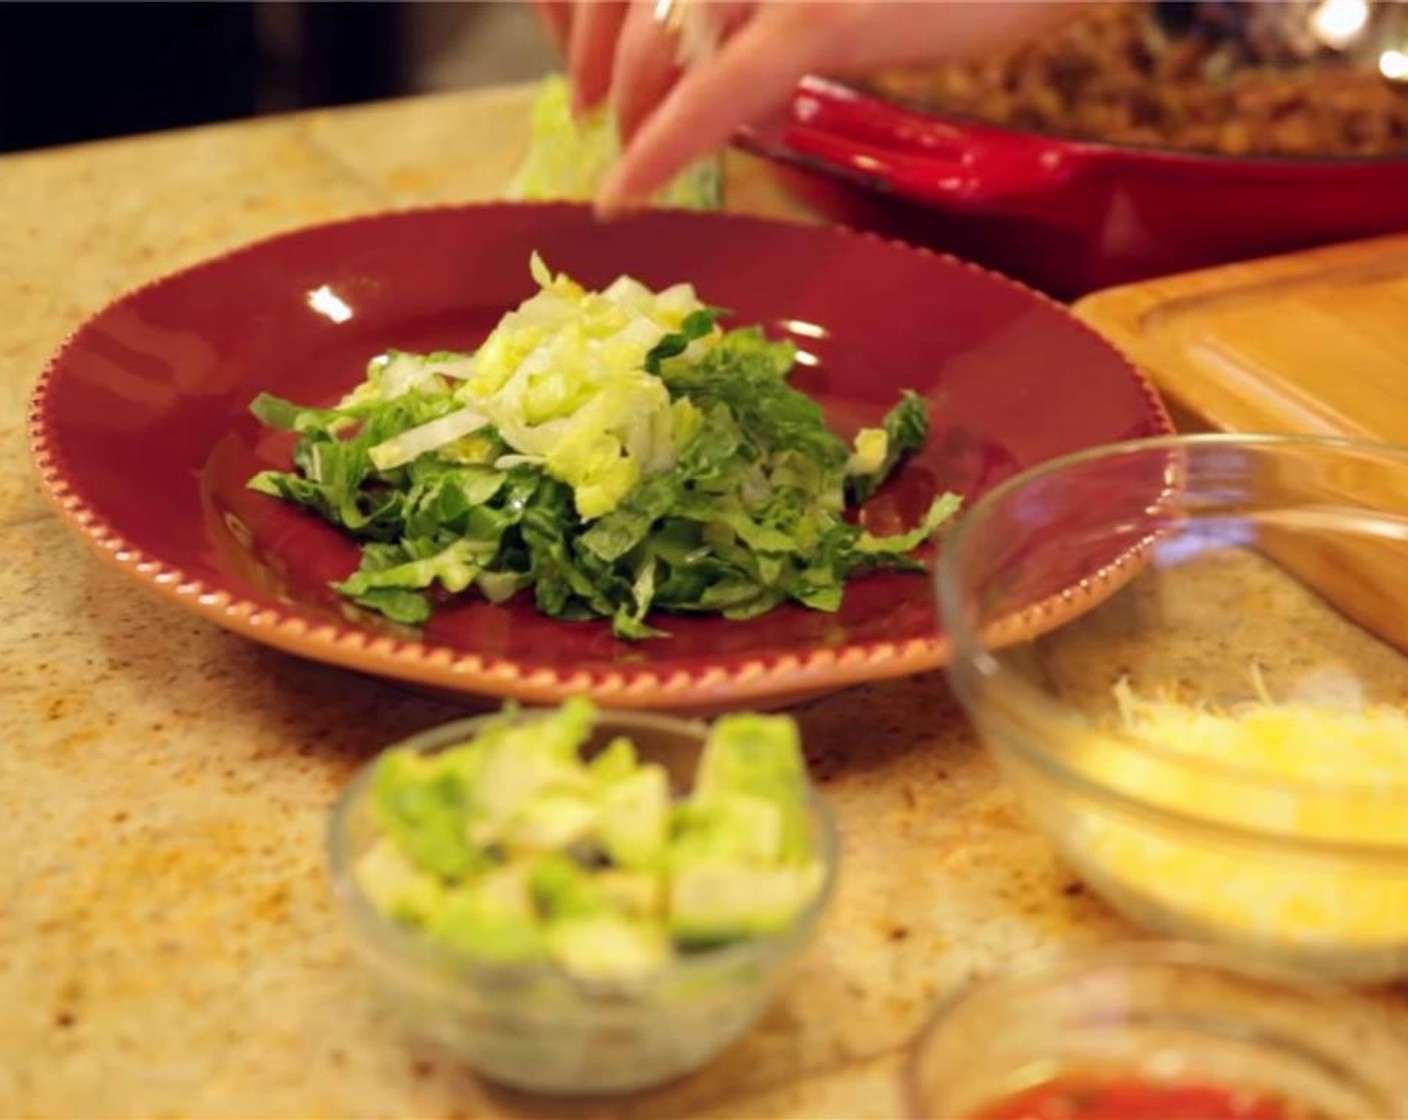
pixel 971 653
pixel 408 947
pixel 1172 955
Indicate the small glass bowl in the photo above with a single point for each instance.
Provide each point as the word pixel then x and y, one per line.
pixel 535 1027
pixel 1161 1013
pixel 1216 572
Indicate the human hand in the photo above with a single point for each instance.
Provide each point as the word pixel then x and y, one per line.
pixel 756 53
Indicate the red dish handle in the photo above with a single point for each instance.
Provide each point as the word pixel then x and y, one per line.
pixel 919 156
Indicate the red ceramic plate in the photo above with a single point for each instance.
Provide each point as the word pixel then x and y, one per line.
pixel 142 436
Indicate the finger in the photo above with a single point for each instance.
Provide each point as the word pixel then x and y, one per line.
pixel 644 68
pixel 556 17
pixel 595 28
pixel 649 59
pixel 753 76
pixel 934 31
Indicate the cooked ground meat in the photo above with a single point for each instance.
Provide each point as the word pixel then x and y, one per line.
pixel 1117 73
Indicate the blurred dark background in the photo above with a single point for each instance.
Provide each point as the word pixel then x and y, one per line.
pixel 79 71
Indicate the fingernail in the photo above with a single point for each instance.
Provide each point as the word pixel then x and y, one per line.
pixel 611 201
pixel 584 100
pixel 608 209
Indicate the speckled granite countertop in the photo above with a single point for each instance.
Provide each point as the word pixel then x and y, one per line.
pixel 167 945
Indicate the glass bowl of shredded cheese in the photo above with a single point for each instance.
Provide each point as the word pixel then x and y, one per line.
pixel 1188 654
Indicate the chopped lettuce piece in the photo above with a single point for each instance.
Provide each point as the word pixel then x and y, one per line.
pixel 616 763
pixel 635 817
pixel 553 820
pixel 728 826
pixel 568 158
pixel 638 894
pixel 491 918
pixel 421 804
pixel 396 886
pixel 880 450
pixel 609 946
pixel 871 447
pixel 712 903
pixel 563 889
pixel 759 756
pixel 941 510
pixel 526 763
pixel 401 448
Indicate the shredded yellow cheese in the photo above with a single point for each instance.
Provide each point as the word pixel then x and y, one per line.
pixel 1296 770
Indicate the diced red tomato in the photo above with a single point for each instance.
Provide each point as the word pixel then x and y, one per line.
pixel 1079 1098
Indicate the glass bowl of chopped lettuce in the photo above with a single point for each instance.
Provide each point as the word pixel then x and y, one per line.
pixel 1212 723
pixel 579 902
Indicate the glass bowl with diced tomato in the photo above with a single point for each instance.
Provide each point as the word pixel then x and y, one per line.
pixel 574 901
pixel 1157 1031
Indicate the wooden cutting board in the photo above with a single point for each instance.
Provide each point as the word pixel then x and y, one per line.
pixel 1313 342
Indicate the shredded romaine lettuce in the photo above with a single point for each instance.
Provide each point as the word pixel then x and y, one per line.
pixel 564 378
pixel 568 158
pixel 615 451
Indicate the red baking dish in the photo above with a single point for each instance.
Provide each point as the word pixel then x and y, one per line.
pixel 1067 216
